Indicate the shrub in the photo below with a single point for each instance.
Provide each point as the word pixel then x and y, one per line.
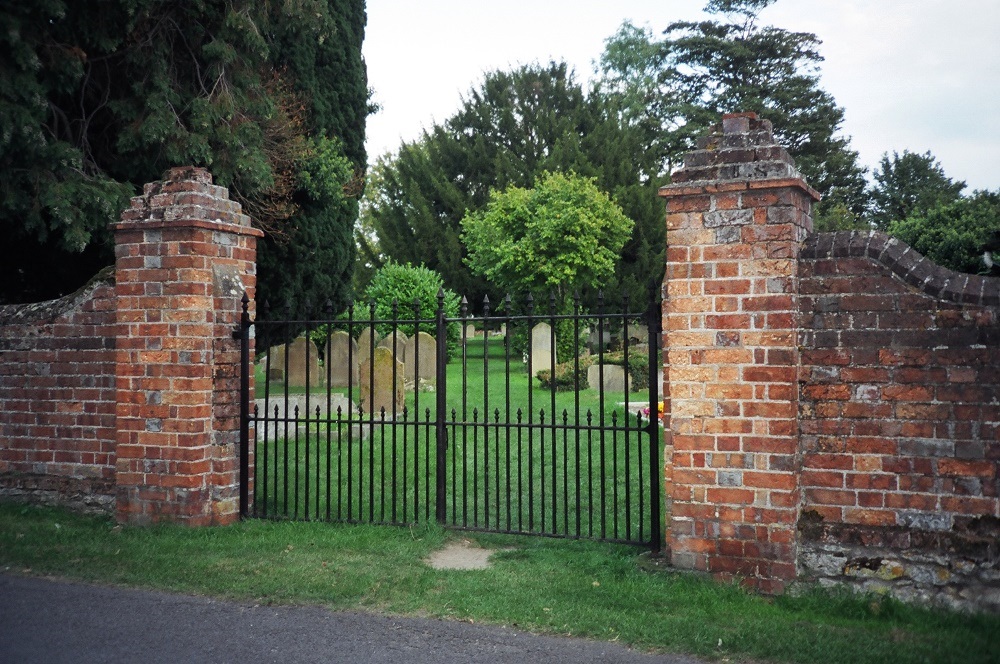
pixel 403 284
pixel 564 375
pixel 406 284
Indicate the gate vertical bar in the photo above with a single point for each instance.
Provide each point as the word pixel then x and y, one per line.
pixel 244 335
pixel 442 404
pixel 654 328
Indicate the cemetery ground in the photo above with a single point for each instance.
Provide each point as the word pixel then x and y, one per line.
pixel 535 476
pixel 594 590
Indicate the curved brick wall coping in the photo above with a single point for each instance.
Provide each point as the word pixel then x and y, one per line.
pixel 906 263
pixel 34 312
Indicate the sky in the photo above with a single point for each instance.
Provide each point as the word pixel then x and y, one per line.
pixel 913 75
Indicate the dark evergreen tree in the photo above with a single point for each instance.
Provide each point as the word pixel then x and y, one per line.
pixel 317 47
pixel 99 96
pixel 510 130
pixel 909 184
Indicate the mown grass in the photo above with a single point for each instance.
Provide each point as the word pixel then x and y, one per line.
pixel 594 590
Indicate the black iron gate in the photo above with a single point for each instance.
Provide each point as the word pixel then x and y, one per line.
pixel 478 427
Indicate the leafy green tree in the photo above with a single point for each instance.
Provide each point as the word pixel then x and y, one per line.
pixel 99 96
pixel 562 235
pixel 910 184
pixel 366 240
pixel 956 234
pixel 509 131
pixel 682 83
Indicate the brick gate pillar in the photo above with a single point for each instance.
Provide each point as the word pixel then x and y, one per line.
pixel 184 257
pixel 737 213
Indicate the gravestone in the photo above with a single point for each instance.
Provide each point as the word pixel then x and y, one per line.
pixel 470 331
pixel 378 389
pixel 281 416
pixel 596 340
pixel 399 352
pixel 427 357
pixel 542 354
pixel 366 340
pixel 637 334
pixel 342 360
pixel 274 362
pixel 269 371
pixel 303 357
pixel 614 378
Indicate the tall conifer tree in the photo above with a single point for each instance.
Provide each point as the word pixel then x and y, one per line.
pixel 678 86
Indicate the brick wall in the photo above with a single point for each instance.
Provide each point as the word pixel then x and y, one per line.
pixel 185 254
pixel 832 400
pixel 57 398
pixel 129 390
pixel 900 419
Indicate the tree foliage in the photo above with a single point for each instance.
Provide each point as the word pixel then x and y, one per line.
pixel 955 234
pixel 317 48
pixel 679 85
pixel 512 128
pixel 101 96
pixel 909 184
pixel 562 235
pixel 403 291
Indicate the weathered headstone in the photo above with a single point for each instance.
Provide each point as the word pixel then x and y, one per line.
pixel 399 352
pixel 382 384
pixel 281 416
pixel 637 333
pixel 542 342
pixel 274 362
pixel 423 348
pixel 597 340
pixel 613 375
pixel 366 340
pixel 470 331
pixel 342 360
pixel 303 358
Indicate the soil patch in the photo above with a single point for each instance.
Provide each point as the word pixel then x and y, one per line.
pixel 460 555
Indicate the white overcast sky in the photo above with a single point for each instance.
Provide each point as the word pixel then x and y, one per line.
pixel 910 74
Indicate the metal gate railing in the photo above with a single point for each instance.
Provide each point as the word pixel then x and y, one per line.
pixel 500 436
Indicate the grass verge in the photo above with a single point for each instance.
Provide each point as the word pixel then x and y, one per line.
pixel 577 588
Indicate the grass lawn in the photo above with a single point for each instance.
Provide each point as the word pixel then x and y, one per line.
pixel 595 590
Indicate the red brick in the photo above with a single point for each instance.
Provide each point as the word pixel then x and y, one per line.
pixel 827 479
pixel 967 468
pixel 730 496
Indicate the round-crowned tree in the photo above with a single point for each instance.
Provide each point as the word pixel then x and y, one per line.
pixel 562 235
pixel 407 292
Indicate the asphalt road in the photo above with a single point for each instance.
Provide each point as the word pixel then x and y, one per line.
pixel 49 621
